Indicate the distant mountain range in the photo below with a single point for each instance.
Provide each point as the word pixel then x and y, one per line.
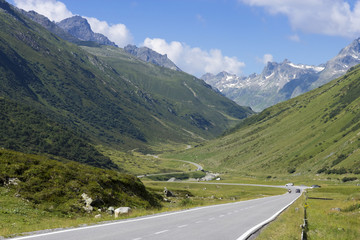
pixel 314 133
pixel 282 81
pixel 77 30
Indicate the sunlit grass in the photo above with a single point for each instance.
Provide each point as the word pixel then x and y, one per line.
pixel 332 213
pixel 287 226
pixel 138 164
pixel 18 216
pixel 202 194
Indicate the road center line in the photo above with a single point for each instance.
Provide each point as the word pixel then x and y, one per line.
pixel 164 231
pixel 182 226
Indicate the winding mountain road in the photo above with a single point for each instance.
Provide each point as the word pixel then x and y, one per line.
pixel 233 221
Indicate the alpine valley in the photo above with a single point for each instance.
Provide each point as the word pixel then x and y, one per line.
pixel 61 100
pixel 84 124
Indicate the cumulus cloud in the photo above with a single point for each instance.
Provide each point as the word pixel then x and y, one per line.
pixel 194 60
pixel 57 11
pixel 117 33
pixel 329 17
pixel 267 58
pixel 52 9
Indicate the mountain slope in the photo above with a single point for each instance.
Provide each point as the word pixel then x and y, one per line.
pixel 315 132
pixel 130 106
pixel 49 25
pixel 337 66
pixel 149 55
pixel 80 28
pixel 276 83
pixel 26 130
pixel 55 186
pixel 281 81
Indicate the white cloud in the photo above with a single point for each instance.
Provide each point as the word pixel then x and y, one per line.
pixel 329 17
pixel 195 60
pixel 57 11
pixel 294 38
pixel 267 58
pixel 52 9
pixel 117 33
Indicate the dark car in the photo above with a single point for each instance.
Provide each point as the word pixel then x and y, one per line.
pixel 297 190
pixel 315 186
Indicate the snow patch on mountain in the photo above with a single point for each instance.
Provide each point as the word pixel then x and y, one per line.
pixel 282 81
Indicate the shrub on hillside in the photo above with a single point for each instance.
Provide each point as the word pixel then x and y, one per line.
pixel 349 179
pixel 57 186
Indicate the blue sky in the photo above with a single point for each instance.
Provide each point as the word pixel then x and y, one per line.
pixel 201 36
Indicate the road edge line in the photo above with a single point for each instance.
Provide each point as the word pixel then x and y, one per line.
pixel 252 230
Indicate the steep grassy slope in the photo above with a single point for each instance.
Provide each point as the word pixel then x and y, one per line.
pixel 26 130
pixel 313 133
pixel 55 186
pixel 125 105
pixel 177 101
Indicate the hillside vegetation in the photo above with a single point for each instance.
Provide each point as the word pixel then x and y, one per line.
pixel 118 101
pixel 56 186
pixel 318 132
pixel 26 130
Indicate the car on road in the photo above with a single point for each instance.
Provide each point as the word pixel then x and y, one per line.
pixel 289 184
pixel 297 190
pixel 315 186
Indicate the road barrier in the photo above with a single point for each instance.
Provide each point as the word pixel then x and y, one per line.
pixel 304 226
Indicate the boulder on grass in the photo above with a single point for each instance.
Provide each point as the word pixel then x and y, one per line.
pixel 122 210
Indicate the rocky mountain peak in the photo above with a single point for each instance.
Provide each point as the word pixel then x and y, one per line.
pixel 282 81
pixel 80 28
pixel 49 25
pixel 148 55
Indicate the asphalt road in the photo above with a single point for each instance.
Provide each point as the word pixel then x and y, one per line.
pixel 232 221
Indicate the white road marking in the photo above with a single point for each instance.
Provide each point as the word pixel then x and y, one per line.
pixel 138 219
pixel 257 227
pixel 210 219
pixel 221 216
pixel 182 226
pixel 164 231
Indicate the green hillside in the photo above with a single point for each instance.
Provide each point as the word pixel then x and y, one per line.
pixel 118 101
pixel 57 187
pixel 318 132
pixel 26 130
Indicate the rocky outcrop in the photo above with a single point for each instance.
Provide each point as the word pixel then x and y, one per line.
pixel 149 55
pixel 80 28
pixel 88 200
pixel 168 193
pixel 49 25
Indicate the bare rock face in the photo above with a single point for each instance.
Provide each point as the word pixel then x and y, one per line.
pixel 281 81
pixel 149 55
pixel 80 28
